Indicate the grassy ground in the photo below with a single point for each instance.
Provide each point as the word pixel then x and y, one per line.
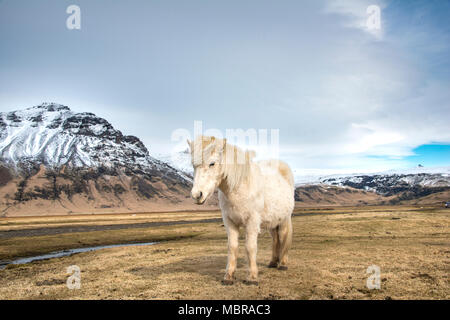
pixel 23 223
pixel 331 251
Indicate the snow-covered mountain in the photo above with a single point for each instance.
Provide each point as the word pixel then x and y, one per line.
pixel 79 160
pixel 54 135
pixel 384 183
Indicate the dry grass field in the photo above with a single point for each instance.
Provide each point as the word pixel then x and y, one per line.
pixel 331 251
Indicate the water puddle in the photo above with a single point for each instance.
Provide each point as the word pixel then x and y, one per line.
pixel 68 252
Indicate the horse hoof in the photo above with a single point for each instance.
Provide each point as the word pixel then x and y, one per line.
pixel 272 265
pixel 251 282
pixel 227 282
pixel 282 268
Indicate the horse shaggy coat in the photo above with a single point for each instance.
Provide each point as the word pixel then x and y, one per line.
pixel 253 195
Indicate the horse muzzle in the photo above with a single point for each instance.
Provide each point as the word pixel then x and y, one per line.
pixel 198 197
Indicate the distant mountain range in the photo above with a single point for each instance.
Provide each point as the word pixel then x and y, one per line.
pixel 433 173
pixel 55 161
pixel 411 186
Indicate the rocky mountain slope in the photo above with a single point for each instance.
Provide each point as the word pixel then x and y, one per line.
pixel 323 195
pixel 81 163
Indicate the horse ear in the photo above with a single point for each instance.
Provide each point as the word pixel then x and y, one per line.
pixel 189 142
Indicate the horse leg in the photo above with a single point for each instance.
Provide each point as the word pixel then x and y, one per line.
pixel 233 242
pixel 285 235
pixel 275 248
pixel 251 246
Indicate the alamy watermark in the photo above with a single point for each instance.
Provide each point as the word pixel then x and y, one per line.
pixel 374 19
pixel 73 22
pixel 264 141
pixel 74 280
pixel 373 281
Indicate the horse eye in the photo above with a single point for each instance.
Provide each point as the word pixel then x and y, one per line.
pixel 212 164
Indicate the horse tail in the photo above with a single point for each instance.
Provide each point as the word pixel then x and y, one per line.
pixel 286 172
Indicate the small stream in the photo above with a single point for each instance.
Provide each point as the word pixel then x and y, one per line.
pixel 68 252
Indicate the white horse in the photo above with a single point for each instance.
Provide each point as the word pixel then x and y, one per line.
pixel 252 194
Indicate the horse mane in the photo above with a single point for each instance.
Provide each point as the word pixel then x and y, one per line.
pixel 236 167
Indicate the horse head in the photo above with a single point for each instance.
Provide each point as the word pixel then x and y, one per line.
pixel 207 160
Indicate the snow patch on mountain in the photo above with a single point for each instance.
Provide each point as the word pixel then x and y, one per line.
pixel 179 160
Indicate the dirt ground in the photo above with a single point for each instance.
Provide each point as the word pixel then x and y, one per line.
pixel 332 249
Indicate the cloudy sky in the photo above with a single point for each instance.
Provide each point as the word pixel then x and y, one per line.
pixel 344 97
